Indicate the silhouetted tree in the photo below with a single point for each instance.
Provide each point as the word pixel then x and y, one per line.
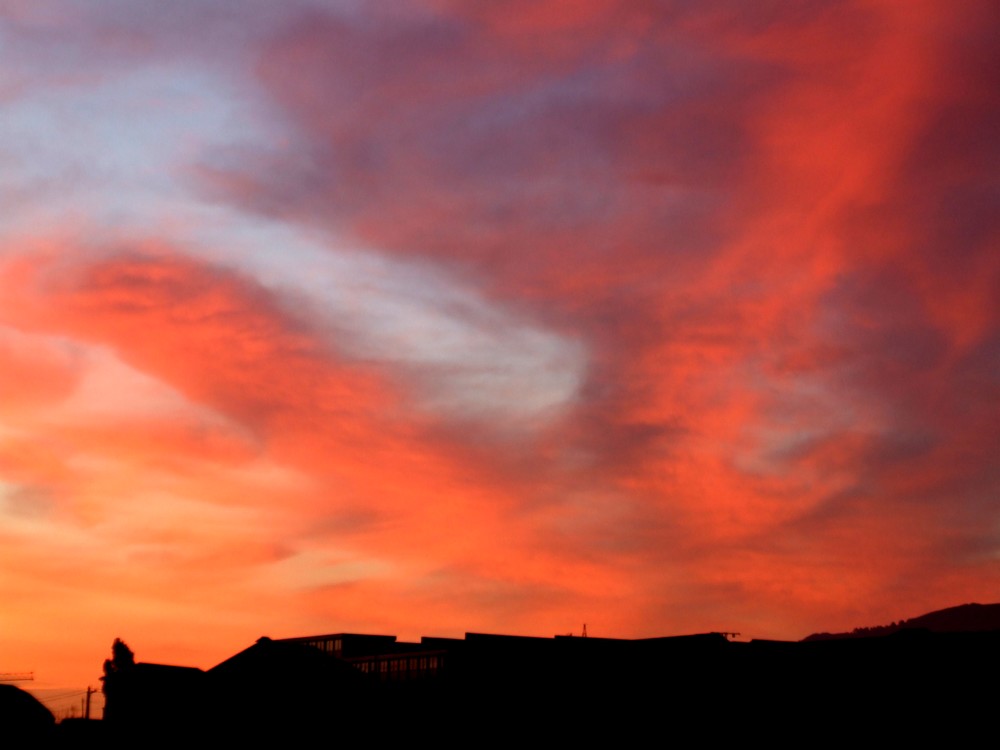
pixel 122 659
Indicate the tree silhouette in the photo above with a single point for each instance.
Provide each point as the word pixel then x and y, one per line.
pixel 121 656
pixel 121 661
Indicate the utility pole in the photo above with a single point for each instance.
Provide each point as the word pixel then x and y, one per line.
pixel 90 691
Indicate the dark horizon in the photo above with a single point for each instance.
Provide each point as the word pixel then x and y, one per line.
pixel 902 685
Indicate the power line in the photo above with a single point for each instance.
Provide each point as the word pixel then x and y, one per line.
pixel 60 696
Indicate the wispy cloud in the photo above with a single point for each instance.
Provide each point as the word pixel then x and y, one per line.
pixel 663 317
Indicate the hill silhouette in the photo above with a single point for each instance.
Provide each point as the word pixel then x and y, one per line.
pixel 965 618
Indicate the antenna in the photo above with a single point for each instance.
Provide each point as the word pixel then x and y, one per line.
pixel 16 676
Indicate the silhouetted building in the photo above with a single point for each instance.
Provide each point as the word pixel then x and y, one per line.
pixel 374 688
pixel 381 657
pixel 22 716
pixel 144 694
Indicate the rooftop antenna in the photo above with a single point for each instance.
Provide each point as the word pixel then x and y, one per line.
pixel 16 676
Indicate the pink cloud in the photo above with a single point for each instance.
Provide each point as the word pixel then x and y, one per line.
pixel 771 233
pixel 703 233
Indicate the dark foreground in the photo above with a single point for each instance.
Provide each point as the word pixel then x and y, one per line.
pixel 501 689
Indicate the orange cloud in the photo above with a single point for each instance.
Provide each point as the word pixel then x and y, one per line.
pixel 769 233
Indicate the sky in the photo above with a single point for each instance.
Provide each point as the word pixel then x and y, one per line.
pixel 423 317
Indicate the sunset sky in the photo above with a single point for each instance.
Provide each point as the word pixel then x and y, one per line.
pixel 431 316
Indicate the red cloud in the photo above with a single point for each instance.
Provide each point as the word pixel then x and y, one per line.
pixel 733 210
pixel 773 232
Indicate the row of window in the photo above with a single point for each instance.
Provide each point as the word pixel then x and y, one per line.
pixel 394 666
pixel 328 646
pixel 413 664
